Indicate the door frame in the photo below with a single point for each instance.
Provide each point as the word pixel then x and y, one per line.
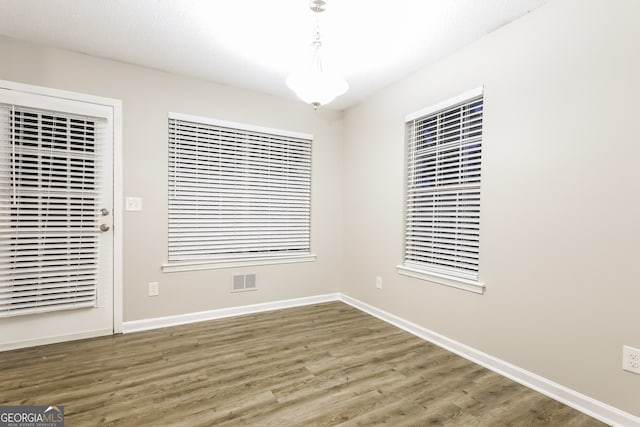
pixel 116 106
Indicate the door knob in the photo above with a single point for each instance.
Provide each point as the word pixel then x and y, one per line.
pixel 104 212
pixel 104 227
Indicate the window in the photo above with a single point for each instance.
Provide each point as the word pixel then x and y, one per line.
pixel 238 194
pixel 442 206
pixel 49 199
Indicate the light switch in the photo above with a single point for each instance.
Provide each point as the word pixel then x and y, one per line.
pixel 133 203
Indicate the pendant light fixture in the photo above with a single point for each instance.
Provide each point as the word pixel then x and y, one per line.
pixel 314 85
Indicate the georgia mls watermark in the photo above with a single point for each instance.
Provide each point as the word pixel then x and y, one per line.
pixel 31 416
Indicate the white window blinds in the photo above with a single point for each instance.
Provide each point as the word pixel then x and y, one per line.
pixel 442 215
pixel 49 183
pixel 236 191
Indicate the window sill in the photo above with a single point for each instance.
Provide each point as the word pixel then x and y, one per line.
pixel 174 267
pixel 454 282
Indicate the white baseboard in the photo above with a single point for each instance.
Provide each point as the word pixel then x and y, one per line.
pixel 599 410
pixel 594 408
pixel 52 340
pixel 181 319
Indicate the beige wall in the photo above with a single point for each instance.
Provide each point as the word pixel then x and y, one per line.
pixel 147 97
pixel 560 196
pixel 560 203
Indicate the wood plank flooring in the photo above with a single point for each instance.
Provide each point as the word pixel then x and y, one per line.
pixel 322 365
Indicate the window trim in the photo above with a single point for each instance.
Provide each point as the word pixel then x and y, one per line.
pixel 423 273
pixel 445 104
pixel 236 125
pixel 441 279
pixel 240 260
pixel 178 266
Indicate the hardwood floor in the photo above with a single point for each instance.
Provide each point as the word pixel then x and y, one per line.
pixel 322 365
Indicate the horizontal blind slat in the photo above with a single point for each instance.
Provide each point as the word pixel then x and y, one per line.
pixel 50 184
pixel 235 192
pixel 442 207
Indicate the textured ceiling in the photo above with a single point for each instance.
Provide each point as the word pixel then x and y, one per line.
pixel 254 44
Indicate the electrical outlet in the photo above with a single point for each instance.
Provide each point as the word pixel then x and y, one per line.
pixel 379 282
pixel 153 289
pixel 631 359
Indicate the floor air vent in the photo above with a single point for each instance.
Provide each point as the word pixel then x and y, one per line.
pixel 244 282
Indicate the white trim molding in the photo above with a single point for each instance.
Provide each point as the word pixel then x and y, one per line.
pixel 182 319
pixel 594 408
pixel 118 219
pixel 441 279
pixel 173 267
pixel 445 104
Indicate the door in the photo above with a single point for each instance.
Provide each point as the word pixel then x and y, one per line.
pixel 56 201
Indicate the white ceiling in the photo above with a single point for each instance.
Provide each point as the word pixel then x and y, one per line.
pixel 254 44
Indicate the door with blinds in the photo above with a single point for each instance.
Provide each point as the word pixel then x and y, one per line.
pixel 56 197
